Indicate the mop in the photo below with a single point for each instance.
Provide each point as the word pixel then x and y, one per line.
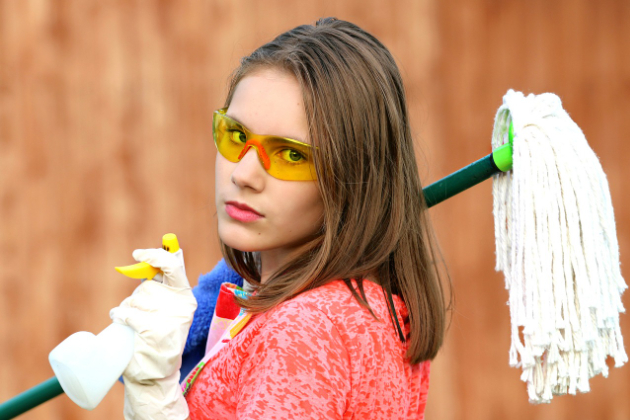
pixel 556 244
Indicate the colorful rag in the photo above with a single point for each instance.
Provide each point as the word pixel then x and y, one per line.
pixel 228 320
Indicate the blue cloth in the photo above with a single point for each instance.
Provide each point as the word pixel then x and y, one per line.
pixel 206 293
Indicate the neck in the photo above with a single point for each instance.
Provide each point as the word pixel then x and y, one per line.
pixel 271 261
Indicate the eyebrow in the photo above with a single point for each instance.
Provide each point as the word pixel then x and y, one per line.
pixel 270 135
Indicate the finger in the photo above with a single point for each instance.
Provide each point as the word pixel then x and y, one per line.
pixel 157 257
pixel 140 321
pixel 137 254
pixel 121 314
pixel 152 296
pixel 171 264
pixel 159 277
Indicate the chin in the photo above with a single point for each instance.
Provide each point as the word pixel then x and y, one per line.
pixel 238 240
pixel 240 247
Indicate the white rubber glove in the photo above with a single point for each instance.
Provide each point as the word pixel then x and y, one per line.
pixel 161 315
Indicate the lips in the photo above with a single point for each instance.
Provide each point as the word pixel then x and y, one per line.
pixel 241 212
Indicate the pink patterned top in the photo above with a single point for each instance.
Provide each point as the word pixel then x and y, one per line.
pixel 318 356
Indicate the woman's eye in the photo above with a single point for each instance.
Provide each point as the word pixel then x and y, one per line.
pixel 238 136
pixel 292 156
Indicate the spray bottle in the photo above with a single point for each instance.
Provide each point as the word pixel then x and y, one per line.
pixel 87 366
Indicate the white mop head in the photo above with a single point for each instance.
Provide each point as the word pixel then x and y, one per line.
pixel 557 246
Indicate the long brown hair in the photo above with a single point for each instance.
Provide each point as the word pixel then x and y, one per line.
pixel 375 217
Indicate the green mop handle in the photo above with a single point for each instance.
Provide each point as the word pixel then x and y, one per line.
pixel 31 398
pixel 498 161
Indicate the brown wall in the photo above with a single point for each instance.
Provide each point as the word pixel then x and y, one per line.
pixel 105 144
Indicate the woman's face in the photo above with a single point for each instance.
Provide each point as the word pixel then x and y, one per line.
pixel 285 213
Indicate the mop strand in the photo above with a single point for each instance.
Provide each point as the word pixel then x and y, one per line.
pixel 556 244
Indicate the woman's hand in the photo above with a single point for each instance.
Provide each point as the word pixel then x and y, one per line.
pixel 161 312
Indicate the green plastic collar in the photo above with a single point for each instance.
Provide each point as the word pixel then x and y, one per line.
pixel 502 156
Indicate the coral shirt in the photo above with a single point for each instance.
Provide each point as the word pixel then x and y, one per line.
pixel 319 355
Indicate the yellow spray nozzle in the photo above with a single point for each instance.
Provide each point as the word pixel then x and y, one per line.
pixel 143 270
pixel 170 243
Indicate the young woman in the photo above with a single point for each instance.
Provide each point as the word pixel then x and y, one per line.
pixel 320 209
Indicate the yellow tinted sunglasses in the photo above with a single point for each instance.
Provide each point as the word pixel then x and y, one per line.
pixel 282 158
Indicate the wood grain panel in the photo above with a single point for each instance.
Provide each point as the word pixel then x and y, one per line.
pixel 105 144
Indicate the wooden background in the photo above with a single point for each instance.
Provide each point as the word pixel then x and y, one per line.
pixel 105 145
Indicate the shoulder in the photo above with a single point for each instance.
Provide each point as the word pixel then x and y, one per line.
pixel 332 311
pixel 321 313
pixel 331 314
pixel 335 301
pixel 331 304
pixel 329 298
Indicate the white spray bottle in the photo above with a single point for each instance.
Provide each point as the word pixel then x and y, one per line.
pixel 87 366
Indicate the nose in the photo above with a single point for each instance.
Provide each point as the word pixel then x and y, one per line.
pixel 249 172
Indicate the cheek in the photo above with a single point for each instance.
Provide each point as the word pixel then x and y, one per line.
pixel 309 207
pixel 221 174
